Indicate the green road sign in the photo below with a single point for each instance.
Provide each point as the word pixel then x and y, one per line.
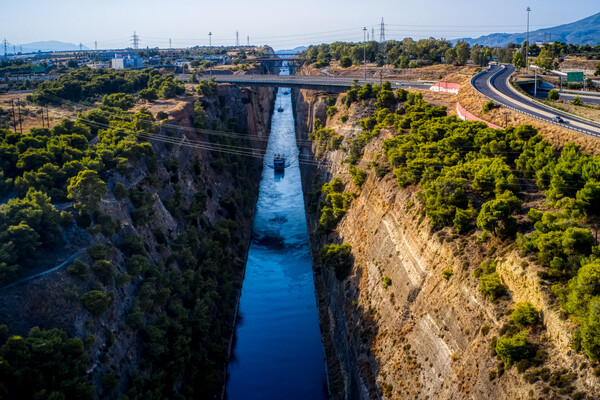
pixel 574 76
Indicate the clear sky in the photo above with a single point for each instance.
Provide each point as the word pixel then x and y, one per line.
pixel 280 24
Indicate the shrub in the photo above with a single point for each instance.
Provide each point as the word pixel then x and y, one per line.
pixel 491 286
pixel 98 251
pixel 512 348
pixel 345 62
pixel 131 245
pixel 359 176
pixel 446 274
pixel 387 281
pixel 488 106
pixel 525 315
pixel 66 218
pixel 78 269
pixel 553 95
pixel 104 270
pixel 344 117
pixel 337 257
pixel 577 101
pixel 96 302
pixel 120 191
pixel 331 111
pixel 161 115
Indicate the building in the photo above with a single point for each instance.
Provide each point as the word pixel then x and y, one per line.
pixel 122 61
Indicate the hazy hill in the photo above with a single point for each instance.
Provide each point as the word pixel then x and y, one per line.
pixel 584 31
pixel 49 45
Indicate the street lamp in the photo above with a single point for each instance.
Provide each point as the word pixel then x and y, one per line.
pixel 210 51
pixel 527 47
pixel 365 52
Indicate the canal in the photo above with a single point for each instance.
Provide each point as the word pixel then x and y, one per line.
pixel 278 352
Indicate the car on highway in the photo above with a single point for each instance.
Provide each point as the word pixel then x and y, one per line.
pixel 558 119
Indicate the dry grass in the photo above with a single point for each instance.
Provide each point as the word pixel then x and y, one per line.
pixel 590 111
pixel 31 113
pixel 450 73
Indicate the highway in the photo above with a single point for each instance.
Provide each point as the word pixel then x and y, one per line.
pixel 494 84
pixel 318 82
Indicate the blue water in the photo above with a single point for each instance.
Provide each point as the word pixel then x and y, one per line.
pixel 278 352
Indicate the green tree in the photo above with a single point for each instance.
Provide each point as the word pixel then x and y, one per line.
pixel 337 257
pixel 518 60
pixel 525 315
pixel 553 95
pixel 96 302
pixel 545 60
pixel 512 348
pixel 87 190
pixel 496 215
pixel 462 52
pixel 118 100
pixel 345 62
pixel 450 56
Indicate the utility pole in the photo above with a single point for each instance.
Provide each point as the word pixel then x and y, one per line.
pixel 12 103
pixel 382 32
pixel 527 46
pixel 237 39
pixel 135 39
pixel 365 52
pixel 535 83
pixel 20 121
pixel 210 51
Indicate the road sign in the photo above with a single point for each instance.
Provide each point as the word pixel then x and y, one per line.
pixel 574 77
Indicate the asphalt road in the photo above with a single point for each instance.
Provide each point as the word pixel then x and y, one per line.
pixel 494 84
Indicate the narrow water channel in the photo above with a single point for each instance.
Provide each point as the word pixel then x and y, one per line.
pixel 278 352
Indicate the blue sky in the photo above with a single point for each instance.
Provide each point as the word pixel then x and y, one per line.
pixel 281 24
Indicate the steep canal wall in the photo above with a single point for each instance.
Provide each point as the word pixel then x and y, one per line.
pixel 395 328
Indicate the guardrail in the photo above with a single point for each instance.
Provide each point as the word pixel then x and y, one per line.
pixel 525 112
pixel 547 107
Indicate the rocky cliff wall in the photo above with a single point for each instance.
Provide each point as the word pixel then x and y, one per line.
pixel 182 169
pixel 418 335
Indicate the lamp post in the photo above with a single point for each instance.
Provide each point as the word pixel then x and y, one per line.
pixel 210 51
pixel 365 53
pixel 527 47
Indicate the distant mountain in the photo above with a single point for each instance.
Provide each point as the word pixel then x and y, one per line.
pixel 584 31
pixel 50 45
pixel 296 50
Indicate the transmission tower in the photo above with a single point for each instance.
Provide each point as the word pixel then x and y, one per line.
pixel 373 33
pixel 237 39
pixel 95 45
pixel 80 46
pixel 382 32
pixel 135 39
pixel 5 44
pixel 248 39
pixel 170 43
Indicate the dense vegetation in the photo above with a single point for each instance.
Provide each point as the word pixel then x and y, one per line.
pixel 182 313
pixel 88 85
pixel 472 176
